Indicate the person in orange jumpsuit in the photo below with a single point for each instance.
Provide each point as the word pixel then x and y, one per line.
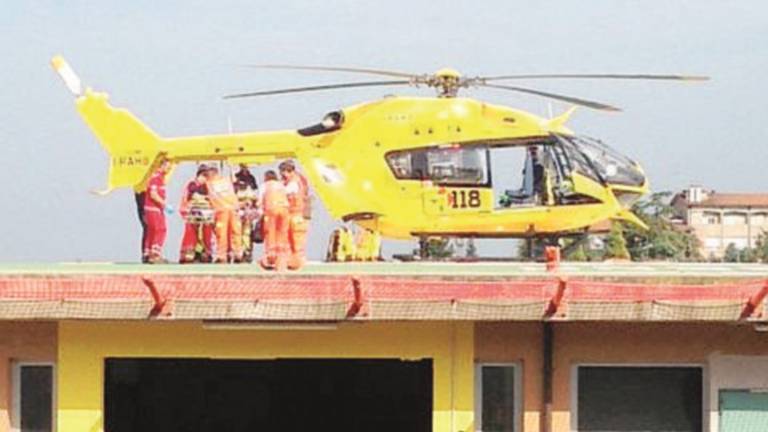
pixel 221 193
pixel 298 193
pixel 273 201
pixel 194 194
pixel 155 207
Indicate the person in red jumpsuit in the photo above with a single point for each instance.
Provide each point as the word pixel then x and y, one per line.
pixel 193 195
pixel 273 202
pixel 140 195
pixel 155 207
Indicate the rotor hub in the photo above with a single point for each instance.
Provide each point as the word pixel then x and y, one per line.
pixel 447 81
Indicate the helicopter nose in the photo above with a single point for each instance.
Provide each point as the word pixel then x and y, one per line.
pixel 627 198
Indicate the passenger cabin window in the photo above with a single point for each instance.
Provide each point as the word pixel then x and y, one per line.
pixel 451 164
pixel 32 397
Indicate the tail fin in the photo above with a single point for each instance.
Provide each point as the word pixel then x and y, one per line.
pixel 133 148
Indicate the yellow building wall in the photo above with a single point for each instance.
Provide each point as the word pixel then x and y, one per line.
pixel 83 346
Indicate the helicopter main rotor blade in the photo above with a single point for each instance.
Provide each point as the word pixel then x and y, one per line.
pixel 600 76
pixel 317 88
pixel 368 71
pixel 570 99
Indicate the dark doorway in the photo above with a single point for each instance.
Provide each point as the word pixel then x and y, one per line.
pixel 640 399
pixel 192 395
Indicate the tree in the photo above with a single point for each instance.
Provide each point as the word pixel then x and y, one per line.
pixel 579 253
pixel 748 255
pixel 439 248
pixel 615 244
pixel 761 247
pixel 731 253
pixel 662 239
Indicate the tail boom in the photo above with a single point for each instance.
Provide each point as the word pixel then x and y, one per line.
pixel 135 149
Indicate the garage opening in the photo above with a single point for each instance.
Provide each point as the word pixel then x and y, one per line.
pixel 635 399
pixel 270 395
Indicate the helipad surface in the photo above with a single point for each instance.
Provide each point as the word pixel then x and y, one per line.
pixel 609 270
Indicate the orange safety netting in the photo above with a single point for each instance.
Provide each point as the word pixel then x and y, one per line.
pixel 334 298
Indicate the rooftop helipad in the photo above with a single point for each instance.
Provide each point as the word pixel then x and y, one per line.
pixel 514 270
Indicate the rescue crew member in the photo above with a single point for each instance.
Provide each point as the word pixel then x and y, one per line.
pixel 222 196
pixel 273 201
pixel 140 195
pixel 297 189
pixel 155 207
pixel 245 177
pixel 246 189
pixel 537 167
pixel 194 209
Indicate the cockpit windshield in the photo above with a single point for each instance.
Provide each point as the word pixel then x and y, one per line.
pixel 608 164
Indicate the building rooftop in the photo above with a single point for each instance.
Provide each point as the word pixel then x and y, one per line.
pixel 717 199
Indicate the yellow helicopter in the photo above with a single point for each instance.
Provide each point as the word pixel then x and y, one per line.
pixel 410 167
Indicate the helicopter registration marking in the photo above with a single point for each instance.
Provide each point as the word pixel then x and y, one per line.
pixel 129 161
pixel 461 199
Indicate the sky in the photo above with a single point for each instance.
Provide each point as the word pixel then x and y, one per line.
pixel 170 63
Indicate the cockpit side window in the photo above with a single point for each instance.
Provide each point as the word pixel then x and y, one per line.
pixel 452 164
pixel 577 160
pixel 610 165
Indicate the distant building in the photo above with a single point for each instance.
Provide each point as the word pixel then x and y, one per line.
pixel 719 219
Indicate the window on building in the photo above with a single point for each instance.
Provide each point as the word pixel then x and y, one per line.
pixel 712 218
pixel 498 398
pixel 743 410
pixel 639 398
pixel 735 218
pixel 33 397
pixel 758 219
pixel 446 164
pixel 712 242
